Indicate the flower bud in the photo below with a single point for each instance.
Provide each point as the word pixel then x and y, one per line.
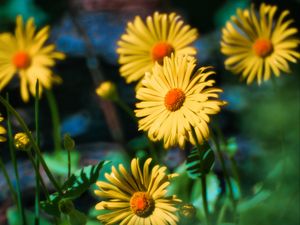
pixel 107 90
pixel 66 206
pixel 2 131
pixel 21 141
pixel 69 143
pixel 187 210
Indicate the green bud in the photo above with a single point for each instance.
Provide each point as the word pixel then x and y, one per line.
pixel 69 143
pixel 66 206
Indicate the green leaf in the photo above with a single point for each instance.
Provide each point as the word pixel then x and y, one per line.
pixel 74 187
pixel 77 218
pixel 58 162
pixel 199 163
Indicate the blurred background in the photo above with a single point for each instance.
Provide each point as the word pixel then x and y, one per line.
pixel 261 123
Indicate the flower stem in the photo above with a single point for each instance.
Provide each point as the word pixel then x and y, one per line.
pixel 8 181
pixel 130 112
pixel 37 162
pixel 14 162
pixel 203 182
pixel 69 163
pixel 32 141
pixel 55 120
pixel 224 169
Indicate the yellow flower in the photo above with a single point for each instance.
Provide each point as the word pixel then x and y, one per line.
pixel 138 197
pixel 256 43
pixel 2 131
pixel 107 90
pixel 174 99
pixel 26 55
pixel 21 141
pixel 145 43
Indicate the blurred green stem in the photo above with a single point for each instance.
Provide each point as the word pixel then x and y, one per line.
pixel 55 120
pixel 224 169
pixel 130 112
pixel 37 162
pixel 203 182
pixel 14 162
pixel 35 147
pixel 69 163
pixel 8 181
pixel 233 163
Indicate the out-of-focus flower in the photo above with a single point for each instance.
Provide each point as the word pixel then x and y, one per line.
pixel 257 44
pixel 2 131
pixel 176 99
pixel 107 90
pixel 145 43
pixel 21 141
pixel 26 55
pixel 138 197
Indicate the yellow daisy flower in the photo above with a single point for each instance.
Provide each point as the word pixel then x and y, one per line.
pixel 138 197
pixel 26 55
pixel 2 131
pixel 174 98
pixel 256 43
pixel 145 43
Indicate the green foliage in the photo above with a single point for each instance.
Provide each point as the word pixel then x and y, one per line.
pixel 58 162
pixel 74 187
pixel 14 217
pixel 199 163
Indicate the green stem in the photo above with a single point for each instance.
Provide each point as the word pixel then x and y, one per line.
pixel 126 108
pixel 32 141
pixel 233 163
pixel 8 181
pixel 69 163
pixel 55 120
pixel 37 162
pixel 14 162
pixel 130 112
pixel 227 178
pixel 36 170
pixel 203 182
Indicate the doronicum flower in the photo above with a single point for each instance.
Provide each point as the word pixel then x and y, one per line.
pixel 2 131
pixel 107 90
pixel 25 54
pixel 145 43
pixel 257 44
pixel 21 141
pixel 174 99
pixel 138 197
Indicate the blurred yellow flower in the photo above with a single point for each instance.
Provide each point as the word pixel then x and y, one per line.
pixel 107 90
pixel 2 131
pixel 26 55
pixel 138 197
pixel 145 43
pixel 175 98
pixel 21 141
pixel 257 44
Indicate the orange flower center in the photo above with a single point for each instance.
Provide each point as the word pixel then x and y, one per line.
pixel 21 60
pixel 141 204
pixel 160 50
pixel 174 99
pixel 262 47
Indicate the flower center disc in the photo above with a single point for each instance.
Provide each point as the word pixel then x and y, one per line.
pixel 263 47
pixel 21 60
pixel 174 99
pixel 141 204
pixel 160 50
